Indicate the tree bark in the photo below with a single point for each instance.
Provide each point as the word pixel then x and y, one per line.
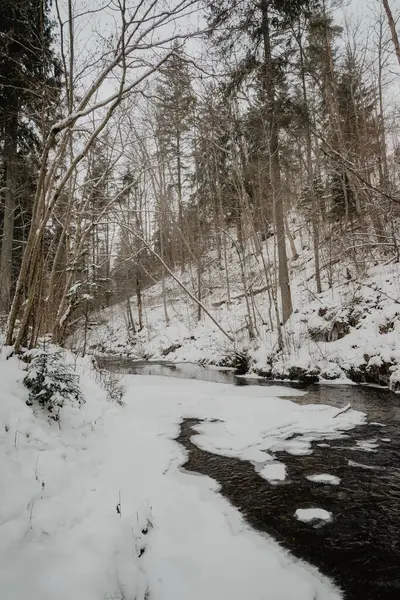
pixel 392 27
pixel 10 161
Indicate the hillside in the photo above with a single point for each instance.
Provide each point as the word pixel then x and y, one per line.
pixel 349 331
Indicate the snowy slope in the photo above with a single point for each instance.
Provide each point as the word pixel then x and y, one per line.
pixel 174 536
pixel 61 536
pixel 350 330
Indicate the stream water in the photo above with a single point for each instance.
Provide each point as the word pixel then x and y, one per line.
pixel 360 548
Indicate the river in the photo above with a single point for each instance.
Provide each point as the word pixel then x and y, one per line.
pixel 360 548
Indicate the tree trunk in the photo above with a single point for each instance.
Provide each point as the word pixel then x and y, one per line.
pixel 384 170
pixel 10 161
pixel 392 26
pixel 269 85
pixel 139 301
pixel 310 175
pixel 131 322
pixel 180 203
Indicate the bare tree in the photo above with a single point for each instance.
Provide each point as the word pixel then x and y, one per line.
pixel 136 53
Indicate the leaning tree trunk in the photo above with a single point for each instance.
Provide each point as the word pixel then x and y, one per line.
pixel 10 160
pixel 392 26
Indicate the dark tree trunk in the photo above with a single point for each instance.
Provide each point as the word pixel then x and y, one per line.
pixel 10 161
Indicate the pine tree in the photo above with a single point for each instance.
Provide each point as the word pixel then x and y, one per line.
pixel 28 89
pixel 264 29
pixel 174 117
pixel 51 381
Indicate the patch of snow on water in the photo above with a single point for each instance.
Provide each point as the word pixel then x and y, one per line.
pixel 353 463
pixel 268 425
pixel 273 472
pixel 308 515
pixel 366 445
pixel 324 478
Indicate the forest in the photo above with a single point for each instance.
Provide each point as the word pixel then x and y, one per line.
pixel 134 139
pixel 199 299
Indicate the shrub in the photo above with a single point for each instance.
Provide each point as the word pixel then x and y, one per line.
pixel 112 383
pixel 51 381
pixel 238 360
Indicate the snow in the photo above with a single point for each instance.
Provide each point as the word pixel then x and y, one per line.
pixel 308 515
pixel 274 472
pixel 366 445
pixel 174 535
pixel 353 463
pixel 324 478
pixel 268 424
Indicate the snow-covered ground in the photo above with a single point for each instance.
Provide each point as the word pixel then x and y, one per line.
pixel 350 330
pixel 173 536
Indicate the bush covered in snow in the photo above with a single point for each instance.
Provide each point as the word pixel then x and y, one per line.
pixel 51 381
pixel 113 385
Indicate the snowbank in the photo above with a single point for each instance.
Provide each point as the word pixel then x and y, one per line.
pixel 60 534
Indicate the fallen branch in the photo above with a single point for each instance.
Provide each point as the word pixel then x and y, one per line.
pixel 343 410
pixel 178 281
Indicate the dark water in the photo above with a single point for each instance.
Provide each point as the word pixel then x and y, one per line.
pixel 182 370
pixel 360 548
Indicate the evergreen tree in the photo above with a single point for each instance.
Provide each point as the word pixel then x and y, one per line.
pixel 51 381
pixel 175 104
pixel 28 89
pixel 264 30
pixel 216 138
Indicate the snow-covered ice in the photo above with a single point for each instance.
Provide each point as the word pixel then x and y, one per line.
pixel 273 472
pixel 61 535
pixel 353 463
pixel 324 478
pixel 366 445
pixel 308 515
